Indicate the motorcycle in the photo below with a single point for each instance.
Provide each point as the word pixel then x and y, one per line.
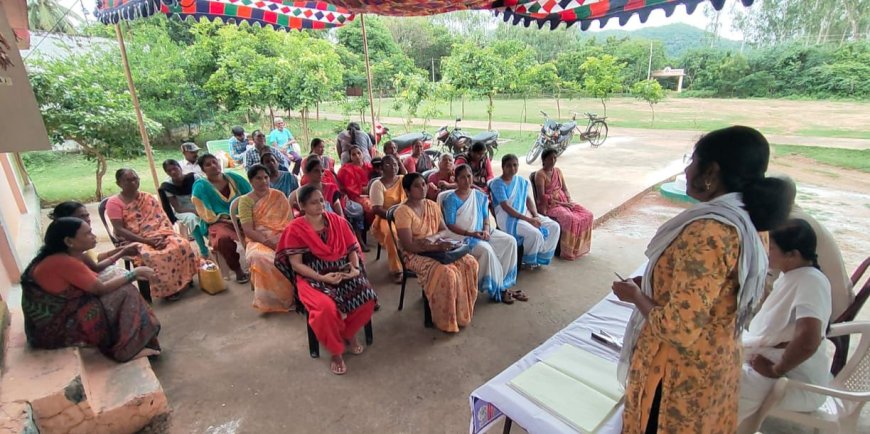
pixel 458 141
pixel 553 136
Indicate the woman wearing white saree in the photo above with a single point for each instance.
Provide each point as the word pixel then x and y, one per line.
pixel 466 213
pixel 516 214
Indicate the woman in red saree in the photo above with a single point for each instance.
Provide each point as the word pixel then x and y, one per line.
pixel 66 304
pixel 555 202
pixel 137 217
pixel 326 162
pixel 320 253
pixel 354 178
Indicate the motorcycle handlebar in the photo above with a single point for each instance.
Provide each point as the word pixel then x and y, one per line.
pixel 544 113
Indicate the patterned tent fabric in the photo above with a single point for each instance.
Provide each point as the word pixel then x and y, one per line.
pixel 281 15
pixel 410 7
pixel 585 12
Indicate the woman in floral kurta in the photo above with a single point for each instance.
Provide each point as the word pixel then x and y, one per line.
pixel 688 343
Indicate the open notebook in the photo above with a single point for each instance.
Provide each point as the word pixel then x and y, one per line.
pixel 573 385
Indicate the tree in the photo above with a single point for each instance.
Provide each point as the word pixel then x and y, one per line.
pixel 411 91
pixel 51 16
pixel 602 77
pixel 79 102
pixel 380 40
pixel 475 70
pixel 651 92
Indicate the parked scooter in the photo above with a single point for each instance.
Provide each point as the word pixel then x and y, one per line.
pixel 458 141
pixel 553 135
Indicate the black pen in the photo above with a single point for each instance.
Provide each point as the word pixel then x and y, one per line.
pixel 621 279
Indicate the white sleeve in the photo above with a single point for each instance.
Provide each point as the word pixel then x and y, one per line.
pixel 812 298
pixel 376 193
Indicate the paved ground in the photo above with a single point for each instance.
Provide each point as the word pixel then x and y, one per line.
pixel 688 136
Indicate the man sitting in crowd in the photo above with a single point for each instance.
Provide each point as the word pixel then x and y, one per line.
pixel 238 145
pixel 253 156
pixel 188 164
pixel 282 139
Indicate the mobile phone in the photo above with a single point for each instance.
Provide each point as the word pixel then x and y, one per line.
pixel 607 339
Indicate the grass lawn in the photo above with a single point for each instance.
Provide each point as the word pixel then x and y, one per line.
pixel 845 158
pixel 804 118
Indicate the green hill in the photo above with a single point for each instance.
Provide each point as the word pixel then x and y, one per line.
pixel 677 38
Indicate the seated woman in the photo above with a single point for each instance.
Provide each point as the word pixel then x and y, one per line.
pixel 212 196
pixel 138 218
pixel 386 192
pixel 264 214
pixel 481 168
pixel 65 304
pixel 554 201
pixel 466 213
pixel 330 192
pixel 418 161
pixel 391 149
pixel 320 253
pixel 326 163
pixel 175 198
pixel 787 335
pixel 97 262
pixel 450 288
pixel 354 178
pixel 443 179
pixel 516 214
pixel 280 180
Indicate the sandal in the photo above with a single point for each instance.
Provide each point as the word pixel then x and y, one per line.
pixel 243 278
pixel 356 348
pixel 174 297
pixel 507 297
pixel 396 277
pixel 337 366
pixel 520 295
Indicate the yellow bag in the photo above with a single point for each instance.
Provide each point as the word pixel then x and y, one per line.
pixel 210 279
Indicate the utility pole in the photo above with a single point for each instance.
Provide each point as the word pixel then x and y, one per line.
pixel 649 66
pixel 433 70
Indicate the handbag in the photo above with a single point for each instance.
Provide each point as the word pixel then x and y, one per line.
pixel 449 256
pixel 210 279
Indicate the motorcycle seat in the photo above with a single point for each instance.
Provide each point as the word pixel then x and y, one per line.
pixel 406 140
pixel 484 136
pixel 567 127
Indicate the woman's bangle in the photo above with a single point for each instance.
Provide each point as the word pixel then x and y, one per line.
pixel 775 371
pixel 130 275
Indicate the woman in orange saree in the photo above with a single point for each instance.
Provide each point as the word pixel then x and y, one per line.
pixel 450 288
pixel 137 217
pixel 264 214
pixel 554 201
pixel 386 192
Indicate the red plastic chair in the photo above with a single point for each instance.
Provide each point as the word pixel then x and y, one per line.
pixel 841 343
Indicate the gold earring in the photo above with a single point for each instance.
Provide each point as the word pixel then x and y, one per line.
pixel 707 185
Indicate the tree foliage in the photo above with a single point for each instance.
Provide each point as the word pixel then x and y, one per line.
pixel 602 77
pixel 475 70
pixel 651 92
pixel 51 16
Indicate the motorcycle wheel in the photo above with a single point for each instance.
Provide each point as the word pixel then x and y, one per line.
pixel 533 153
pixel 597 133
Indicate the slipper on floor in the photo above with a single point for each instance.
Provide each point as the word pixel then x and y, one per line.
pixel 507 297
pixel 520 295
pixel 337 369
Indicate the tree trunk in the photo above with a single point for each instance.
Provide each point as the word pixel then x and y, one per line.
pixel 305 124
pixel 653 114
pixel 463 106
pixel 380 99
pixel 101 165
pixel 317 107
pixel 558 105
pixel 272 116
pixel 489 112
pixel 247 116
pixel 524 114
pixel 451 106
pixel 604 105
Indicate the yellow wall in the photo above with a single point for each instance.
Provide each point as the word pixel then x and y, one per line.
pixel 11 212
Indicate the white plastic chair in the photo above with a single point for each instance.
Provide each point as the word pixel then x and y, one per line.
pixel 847 393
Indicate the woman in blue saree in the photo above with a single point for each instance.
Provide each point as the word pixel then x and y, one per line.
pixel 516 214
pixel 466 213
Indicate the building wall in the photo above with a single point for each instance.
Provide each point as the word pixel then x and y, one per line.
pixel 11 213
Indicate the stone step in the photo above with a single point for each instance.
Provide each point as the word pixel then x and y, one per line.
pixel 124 397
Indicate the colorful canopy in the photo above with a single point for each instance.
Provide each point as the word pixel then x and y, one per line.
pixel 299 15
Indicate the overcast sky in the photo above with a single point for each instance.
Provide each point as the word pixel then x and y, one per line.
pixel 657 18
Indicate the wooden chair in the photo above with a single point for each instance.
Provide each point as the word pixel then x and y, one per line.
pixel 847 394
pixel 144 285
pixel 406 273
pixel 841 343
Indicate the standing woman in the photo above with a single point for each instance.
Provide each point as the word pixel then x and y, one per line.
pixel 264 214
pixel 386 192
pixel 450 288
pixel 351 138
pixel 212 197
pixel 682 357
pixel 175 197
pixel 554 201
pixel 137 217
pixel 320 252
pixel 466 213
pixel 65 304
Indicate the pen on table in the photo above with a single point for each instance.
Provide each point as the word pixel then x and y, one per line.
pixel 621 279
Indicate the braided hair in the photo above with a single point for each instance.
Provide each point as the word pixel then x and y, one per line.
pixel 797 234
